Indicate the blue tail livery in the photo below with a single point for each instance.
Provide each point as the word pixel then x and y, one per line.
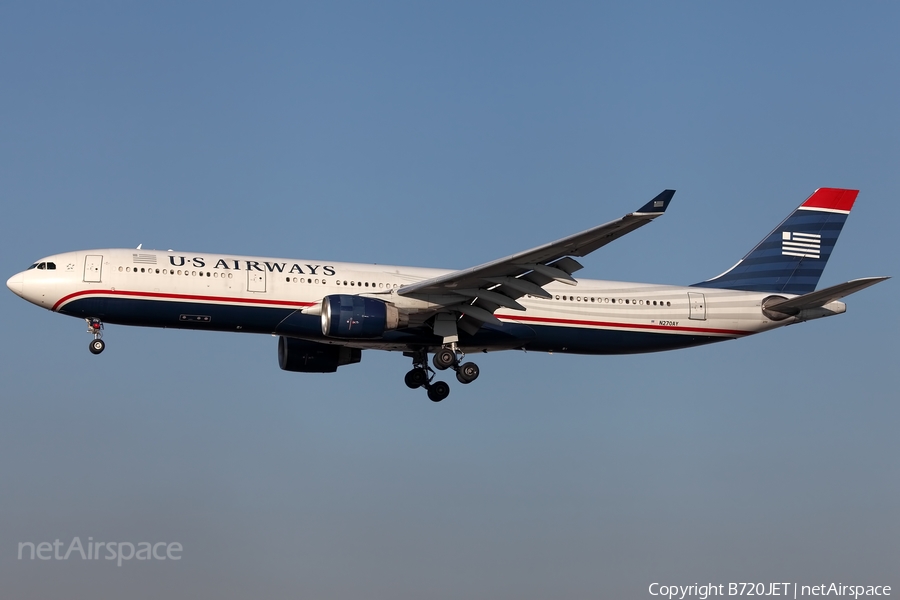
pixel 791 259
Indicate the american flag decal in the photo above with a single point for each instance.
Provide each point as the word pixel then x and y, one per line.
pixel 805 245
pixel 144 259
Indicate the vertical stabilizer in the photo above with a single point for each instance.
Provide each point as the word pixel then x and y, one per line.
pixel 791 259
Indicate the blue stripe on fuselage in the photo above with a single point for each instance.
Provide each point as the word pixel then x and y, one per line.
pixel 290 322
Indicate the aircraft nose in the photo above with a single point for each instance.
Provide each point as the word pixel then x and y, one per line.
pixel 14 283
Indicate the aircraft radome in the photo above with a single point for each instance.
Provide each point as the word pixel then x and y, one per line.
pixel 326 313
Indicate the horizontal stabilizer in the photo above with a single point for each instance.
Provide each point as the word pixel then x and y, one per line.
pixel 823 297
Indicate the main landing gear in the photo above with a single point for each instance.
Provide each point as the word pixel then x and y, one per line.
pixel 446 357
pixel 95 327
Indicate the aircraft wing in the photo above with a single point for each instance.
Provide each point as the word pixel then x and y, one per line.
pixel 477 292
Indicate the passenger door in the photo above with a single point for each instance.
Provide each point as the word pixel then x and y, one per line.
pixel 698 306
pixel 256 281
pixel 93 267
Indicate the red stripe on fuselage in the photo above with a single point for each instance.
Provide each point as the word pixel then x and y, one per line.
pixel 256 301
pixel 289 303
pixel 622 325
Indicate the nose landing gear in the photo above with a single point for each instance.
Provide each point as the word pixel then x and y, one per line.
pixel 446 357
pixel 95 327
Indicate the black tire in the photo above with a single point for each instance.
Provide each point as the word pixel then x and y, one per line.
pixel 416 378
pixel 438 391
pixel 444 359
pixel 97 346
pixel 467 373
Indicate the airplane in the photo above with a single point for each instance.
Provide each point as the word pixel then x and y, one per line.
pixel 326 313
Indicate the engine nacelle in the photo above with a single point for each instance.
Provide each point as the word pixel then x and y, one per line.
pixel 302 356
pixel 346 316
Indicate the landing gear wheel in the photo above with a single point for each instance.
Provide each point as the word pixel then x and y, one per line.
pixel 97 346
pixel 438 390
pixel 444 359
pixel 467 373
pixel 416 378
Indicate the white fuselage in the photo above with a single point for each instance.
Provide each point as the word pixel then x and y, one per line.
pixel 258 294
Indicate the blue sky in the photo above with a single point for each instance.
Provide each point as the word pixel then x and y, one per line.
pixel 448 135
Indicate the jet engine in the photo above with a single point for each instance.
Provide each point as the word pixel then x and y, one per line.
pixel 349 317
pixel 302 356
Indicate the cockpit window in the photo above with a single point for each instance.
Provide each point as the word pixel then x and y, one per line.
pixel 34 266
pixel 42 266
pixel 51 266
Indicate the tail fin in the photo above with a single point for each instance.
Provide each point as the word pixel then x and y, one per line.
pixel 791 259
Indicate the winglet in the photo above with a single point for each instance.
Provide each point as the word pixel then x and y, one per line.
pixel 658 205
